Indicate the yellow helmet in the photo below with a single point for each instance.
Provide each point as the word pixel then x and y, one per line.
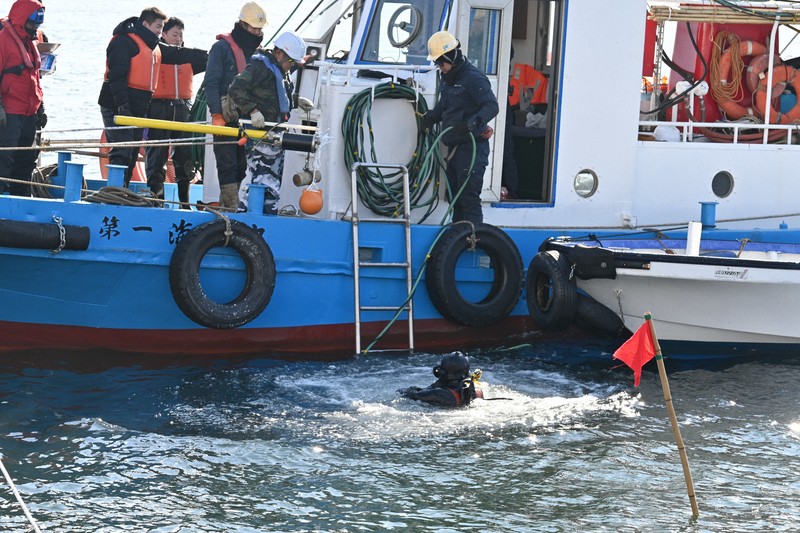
pixel 253 15
pixel 440 43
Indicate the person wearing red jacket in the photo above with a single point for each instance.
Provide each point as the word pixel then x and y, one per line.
pixel 20 94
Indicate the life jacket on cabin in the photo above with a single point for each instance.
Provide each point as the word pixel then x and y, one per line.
pixel 144 66
pixel 526 80
pixel 174 82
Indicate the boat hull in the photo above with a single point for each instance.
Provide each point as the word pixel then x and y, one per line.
pixel 116 295
pixel 706 305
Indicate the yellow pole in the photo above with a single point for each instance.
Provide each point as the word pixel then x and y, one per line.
pixel 186 126
pixel 676 430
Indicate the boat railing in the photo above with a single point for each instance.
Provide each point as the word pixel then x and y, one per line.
pixel 344 74
pixel 689 131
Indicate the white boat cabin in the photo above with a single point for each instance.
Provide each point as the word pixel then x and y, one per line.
pixel 597 143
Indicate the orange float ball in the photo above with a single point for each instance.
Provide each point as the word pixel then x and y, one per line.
pixel 311 201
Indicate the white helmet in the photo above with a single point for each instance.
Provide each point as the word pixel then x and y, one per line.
pixel 292 44
pixel 253 15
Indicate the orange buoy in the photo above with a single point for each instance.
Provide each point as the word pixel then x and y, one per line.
pixel 781 76
pixel 311 201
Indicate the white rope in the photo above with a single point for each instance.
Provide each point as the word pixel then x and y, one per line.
pixel 19 498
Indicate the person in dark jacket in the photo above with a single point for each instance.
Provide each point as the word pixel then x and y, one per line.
pixel 227 58
pixel 171 101
pixel 133 58
pixel 466 105
pixel 455 386
pixel 20 93
pixel 264 91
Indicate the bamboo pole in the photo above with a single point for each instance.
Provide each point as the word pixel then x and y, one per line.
pixel 676 430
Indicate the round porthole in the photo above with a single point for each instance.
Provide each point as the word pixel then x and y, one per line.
pixel 585 183
pixel 722 183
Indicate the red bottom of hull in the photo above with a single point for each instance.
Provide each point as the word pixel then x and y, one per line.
pixel 301 343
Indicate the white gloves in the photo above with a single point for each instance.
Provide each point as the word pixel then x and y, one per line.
pixel 257 119
pixel 305 104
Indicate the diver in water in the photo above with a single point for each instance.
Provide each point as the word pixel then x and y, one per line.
pixel 455 386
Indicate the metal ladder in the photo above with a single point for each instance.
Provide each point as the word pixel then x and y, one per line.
pixel 358 264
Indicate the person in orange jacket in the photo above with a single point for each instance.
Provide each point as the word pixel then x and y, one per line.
pixel 171 101
pixel 133 58
pixel 20 94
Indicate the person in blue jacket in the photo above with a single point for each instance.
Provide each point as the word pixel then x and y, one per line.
pixel 455 385
pixel 466 105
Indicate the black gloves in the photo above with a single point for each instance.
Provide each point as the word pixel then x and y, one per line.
pixel 125 110
pixel 460 128
pixel 41 118
pixel 427 122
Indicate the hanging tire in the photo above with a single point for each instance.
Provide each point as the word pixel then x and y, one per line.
pixel 184 275
pixel 596 317
pixel 551 294
pixel 504 260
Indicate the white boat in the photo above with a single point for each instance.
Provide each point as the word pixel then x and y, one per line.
pixel 721 296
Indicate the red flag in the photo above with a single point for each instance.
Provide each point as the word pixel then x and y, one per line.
pixel 637 351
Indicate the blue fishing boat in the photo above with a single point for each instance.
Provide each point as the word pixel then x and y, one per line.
pixel 601 147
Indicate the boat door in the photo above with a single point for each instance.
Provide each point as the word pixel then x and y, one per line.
pixel 517 44
pixel 484 29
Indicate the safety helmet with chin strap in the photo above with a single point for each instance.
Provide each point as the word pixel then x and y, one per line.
pixel 440 43
pixel 292 44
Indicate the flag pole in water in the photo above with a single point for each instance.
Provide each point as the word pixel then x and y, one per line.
pixel 676 430
pixel 637 351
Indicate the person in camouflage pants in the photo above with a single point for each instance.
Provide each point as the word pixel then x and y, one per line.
pixel 264 90
pixel 264 167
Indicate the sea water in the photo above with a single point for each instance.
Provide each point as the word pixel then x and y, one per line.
pixel 568 444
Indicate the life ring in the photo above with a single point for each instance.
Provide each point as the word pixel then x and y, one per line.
pixel 732 109
pixel 184 274
pixel 139 173
pixel 550 291
pixel 756 70
pixel 504 260
pixel 781 75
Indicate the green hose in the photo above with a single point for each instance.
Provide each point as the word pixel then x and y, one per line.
pixel 383 192
pixel 198 114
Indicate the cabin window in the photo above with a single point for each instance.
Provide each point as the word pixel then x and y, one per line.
pixel 585 183
pixel 484 38
pixel 722 183
pixel 399 32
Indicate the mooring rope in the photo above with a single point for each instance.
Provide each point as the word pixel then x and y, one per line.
pixel 19 498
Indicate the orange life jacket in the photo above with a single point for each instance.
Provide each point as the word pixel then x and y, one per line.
pixel 527 80
pixel 238 54
pixel 144 66
pixel 174 82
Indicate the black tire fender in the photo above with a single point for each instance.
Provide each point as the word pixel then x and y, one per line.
pixel 505 261
pixel 551 291
pixel 594 316
pixel 184 275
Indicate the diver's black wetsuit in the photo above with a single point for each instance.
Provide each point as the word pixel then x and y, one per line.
pixel 454 388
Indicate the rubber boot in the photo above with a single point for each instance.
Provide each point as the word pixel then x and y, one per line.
pixel 229 196
pixel 183 194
